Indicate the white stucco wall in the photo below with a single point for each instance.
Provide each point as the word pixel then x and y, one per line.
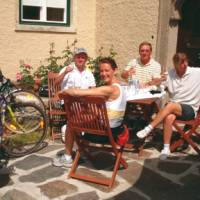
pixel 125 24
pixel 33 47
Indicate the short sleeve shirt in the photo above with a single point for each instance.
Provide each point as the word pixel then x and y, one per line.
pixel 185 89
pixel 75 78
pixel 145 73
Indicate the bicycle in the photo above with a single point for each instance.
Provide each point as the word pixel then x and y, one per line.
pixel 9 89
pixel 23 125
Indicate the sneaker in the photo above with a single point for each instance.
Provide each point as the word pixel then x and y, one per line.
pixel 142 134
pixel 60 161
pixel 164 154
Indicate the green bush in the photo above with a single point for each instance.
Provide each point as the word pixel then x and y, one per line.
pixel 52 65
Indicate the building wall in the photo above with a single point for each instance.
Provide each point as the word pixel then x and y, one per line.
pixel 167 33
pixel 33 46
pixel 96 23
pixel 125 24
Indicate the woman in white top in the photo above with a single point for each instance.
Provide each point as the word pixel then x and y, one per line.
pixel 115 103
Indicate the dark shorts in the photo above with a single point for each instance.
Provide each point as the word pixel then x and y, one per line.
pixel 104 139
pixel 187 113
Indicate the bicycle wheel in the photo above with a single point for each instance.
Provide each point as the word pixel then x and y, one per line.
pixel 21 95
pixel 24 128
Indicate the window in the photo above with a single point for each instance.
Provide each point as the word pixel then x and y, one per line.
pixel 45 12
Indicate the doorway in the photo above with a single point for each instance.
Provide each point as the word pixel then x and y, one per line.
pixel 189 32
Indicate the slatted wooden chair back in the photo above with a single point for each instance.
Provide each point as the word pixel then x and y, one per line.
pixel 52 87
pixel 188 131
pixel 89 115
pixel 56 110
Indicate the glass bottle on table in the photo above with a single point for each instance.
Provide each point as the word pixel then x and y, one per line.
pixel 130 84
pixel 137 85
pixel 130 79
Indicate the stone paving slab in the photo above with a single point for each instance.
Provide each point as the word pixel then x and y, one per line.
pixel 57 188
pixel 31 161
pixel 43 174
pixel 50 148
pixel 17 195
pixel 84 196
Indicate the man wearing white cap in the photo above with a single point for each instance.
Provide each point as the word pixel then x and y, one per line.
pixel 75 75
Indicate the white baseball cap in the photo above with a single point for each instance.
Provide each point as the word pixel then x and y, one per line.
pixel 80 50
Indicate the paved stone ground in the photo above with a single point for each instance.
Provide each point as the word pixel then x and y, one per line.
pixel 146 178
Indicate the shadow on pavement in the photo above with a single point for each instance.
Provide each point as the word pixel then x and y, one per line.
pixel 175 178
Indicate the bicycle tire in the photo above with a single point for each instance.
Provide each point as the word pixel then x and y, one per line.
pixel 25 136
pixel 23 95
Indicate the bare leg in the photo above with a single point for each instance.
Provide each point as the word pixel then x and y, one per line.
pixel 170 108
pixel 65 160
pixel 168 121
pixel 69 141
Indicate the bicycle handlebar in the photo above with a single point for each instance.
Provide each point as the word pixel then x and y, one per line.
pixel 5 83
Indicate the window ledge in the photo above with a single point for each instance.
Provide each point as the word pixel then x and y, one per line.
pixel 37 28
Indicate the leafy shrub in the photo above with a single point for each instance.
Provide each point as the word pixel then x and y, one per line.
pixel 42 70
pixel 25 75
pixel 69 53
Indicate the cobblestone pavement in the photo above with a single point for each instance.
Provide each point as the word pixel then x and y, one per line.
pixel 146 178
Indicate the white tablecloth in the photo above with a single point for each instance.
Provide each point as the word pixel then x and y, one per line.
pixel 142 94
pixel 145 95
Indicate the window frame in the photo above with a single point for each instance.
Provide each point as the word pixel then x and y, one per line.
pixel 47 23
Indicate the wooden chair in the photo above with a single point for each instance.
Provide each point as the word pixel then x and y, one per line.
pixel 56 110
pixel 187 135
pixel 89 115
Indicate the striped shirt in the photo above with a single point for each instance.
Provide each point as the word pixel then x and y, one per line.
pixel 144 73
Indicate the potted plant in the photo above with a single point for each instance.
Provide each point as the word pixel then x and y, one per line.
pixel 25 77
